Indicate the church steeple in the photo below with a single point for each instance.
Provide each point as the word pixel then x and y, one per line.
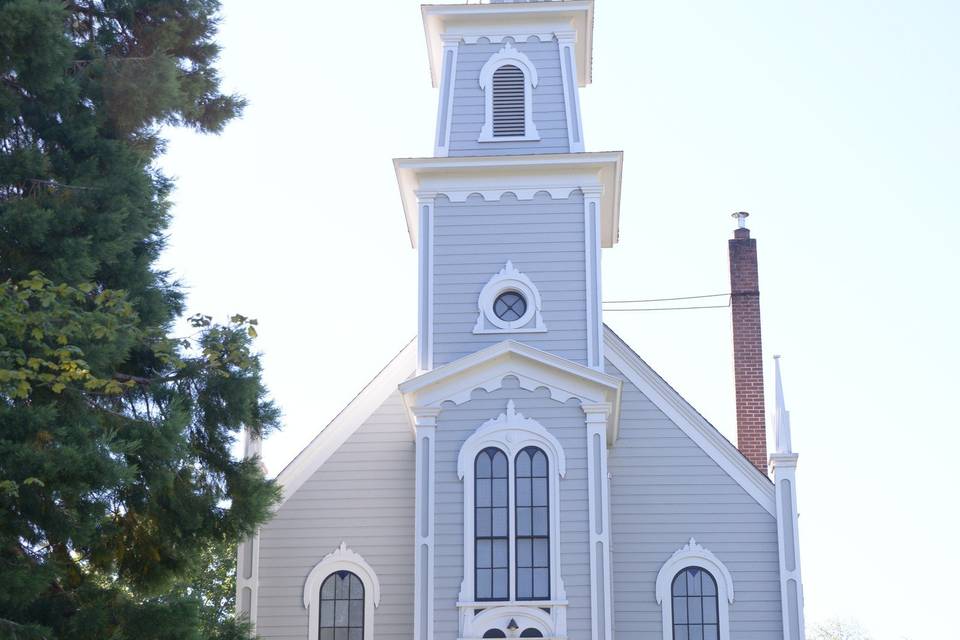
pixel 510 214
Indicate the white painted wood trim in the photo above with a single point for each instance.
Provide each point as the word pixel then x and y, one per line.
pixel 253 582
pixel 598 499
pixel 566 42
pixel 426 430
pixel 509 279
pixel 302 467
pixel 509 55
pixel 693 555
pixel 425 205
pixel 591 236
pixel 695 426
pixel 341 559
pixel 451 47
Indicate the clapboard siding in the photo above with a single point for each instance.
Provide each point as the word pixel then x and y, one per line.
pixel 549 111
pixel 473 240
pixel 364 496
pixel 455 424
pixel 665 490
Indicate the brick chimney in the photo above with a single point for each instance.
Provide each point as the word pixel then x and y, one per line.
pixel 747 345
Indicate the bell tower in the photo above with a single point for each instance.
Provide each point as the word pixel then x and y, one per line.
pixel 510 214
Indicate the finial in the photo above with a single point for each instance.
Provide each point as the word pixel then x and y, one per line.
pixel 513 626
pixel 782 416
pixel 741 217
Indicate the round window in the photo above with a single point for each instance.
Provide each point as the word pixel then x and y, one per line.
pixel 510 306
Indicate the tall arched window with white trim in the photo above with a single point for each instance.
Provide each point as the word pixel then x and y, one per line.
pixel 696 613
pixel 491 515
pixel 341 607
pixel 533 524
pixel 508 79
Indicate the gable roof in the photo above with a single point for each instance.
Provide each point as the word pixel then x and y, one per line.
pixel 400 371
pixel 689 420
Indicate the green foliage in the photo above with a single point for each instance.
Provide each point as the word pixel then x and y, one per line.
pixel 119 497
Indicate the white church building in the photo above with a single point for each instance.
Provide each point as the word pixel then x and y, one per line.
pixel 518 471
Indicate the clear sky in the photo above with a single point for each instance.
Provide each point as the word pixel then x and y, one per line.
pixel 836 123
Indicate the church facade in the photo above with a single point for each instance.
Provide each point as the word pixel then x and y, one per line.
pixel 517 470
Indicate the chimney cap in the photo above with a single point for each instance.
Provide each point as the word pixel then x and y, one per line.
pixel 741 217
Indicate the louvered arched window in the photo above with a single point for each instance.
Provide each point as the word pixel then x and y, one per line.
pixel 341 607
pixel 696 611
pixel 508 79
pixel 508 102
pixel 533 525
pixel 491 518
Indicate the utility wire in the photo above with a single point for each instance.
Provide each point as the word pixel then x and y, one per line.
pixel 717 306
pixel 713 295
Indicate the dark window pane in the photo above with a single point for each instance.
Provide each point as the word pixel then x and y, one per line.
pixel 510 306
pixel 680 610
pixel 500 553
pixel 326 613
pixel 541 583
pixel 326 634
pixel 696 632
pixel 483 465
pixel 694 611
pixel 524 516
pixel 540 553
pixel 494 633
pixel 483 493
pixel 356 588
pixel 500 465
pixel 523 465
pixel 484 578
pixel 341 615
pixel 709 588
pixel 501 583
pixel 540 465
pixel 680 584
pixel 710 609
pixel 341 634
pixel 523 492
pixel 524 552
pixel 500 517
pixel 356 634
pixel 531 633
pixel 343 585
pixel 329 588
pixel 710 632
pixel 483 522
pixel 540 527
pixel 524 583
pixel 693 581
pixel 484 555
pixel 356 613
pixel 500 493
pixel 540 492
pixel 679 632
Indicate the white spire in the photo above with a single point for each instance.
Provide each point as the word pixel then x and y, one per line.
pixel 781 419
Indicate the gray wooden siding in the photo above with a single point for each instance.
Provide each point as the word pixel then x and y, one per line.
pixel 665 490
pixel 364 496
pixel 545 240
pixel 549 112
pixel 455 424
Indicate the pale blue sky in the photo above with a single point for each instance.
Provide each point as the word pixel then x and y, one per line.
pixel 834 123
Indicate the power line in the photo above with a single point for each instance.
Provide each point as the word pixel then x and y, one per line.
pixel 716 306
pixel 702 297
pixel 712 295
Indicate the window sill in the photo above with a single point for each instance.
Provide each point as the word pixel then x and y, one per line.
pixel 528 138
pixel 489 604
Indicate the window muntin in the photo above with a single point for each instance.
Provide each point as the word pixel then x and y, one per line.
pixel 492 533
pixel 341 607
pixel 509 102
pixel 510 306
pixel 696 612
pixel 533 524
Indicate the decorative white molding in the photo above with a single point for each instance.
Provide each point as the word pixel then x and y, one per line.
pixel 783 465
pixel 511 432
pixel 598 500
pixel 509 56
pixel 248 579
pixel 496 615
pixel 425 423
pixel 509 279
pixel 451 48
pixel 558 174
pixel 425 273
pixel 679 411
pixel 533 369
pixel 567 40
pixel 498 37
pixel 694 555
pixel 310 459
pixel 341 559
pixel 591 235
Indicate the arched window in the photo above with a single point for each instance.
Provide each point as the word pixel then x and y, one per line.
pixel 533 525
pixel 508 79
pixel 491 516
pixel 494 633
pixel 508 102
pixel 696 613
pixel 531 633
pixel 341 607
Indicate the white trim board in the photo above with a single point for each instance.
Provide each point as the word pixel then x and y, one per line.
pixel 559 174
pixel 518 20
pixel 682 414
pixel 306 463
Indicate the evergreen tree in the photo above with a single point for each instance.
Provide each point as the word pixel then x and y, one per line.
pixel 116 476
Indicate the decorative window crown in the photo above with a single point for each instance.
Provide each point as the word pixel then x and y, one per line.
pixel 508 79
pixel 524 315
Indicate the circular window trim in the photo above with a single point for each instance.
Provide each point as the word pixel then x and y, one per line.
pixel 507 280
